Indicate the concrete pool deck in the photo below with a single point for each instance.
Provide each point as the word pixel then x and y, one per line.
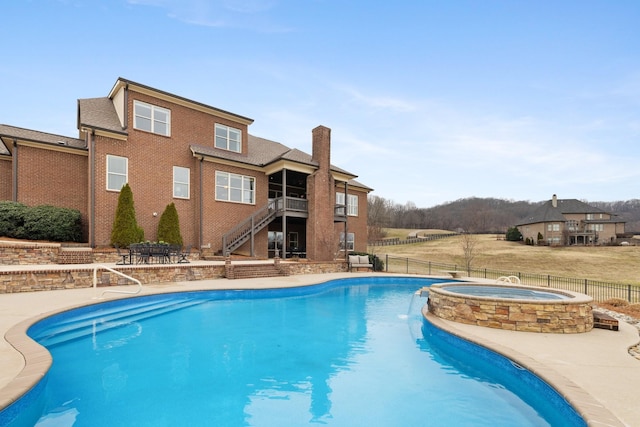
pixel 593 370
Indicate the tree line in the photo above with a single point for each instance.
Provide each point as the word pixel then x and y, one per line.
pixel 475 215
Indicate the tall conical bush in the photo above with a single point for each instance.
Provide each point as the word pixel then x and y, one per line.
pixel 125 229
pixel 169 226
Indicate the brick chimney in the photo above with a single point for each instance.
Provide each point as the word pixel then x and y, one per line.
pixel 321 147
pixel 321 238
pixel 554 201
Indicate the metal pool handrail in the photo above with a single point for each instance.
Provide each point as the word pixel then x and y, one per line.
pixel 95 281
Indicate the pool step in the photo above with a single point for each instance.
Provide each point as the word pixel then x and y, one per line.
pixel 104 319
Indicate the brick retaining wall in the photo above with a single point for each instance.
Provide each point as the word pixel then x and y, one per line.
pixel 46 279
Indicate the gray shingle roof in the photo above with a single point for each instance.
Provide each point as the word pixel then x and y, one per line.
pixel 262 152
pixel 8 133
pixel 547 213
pixel 99 113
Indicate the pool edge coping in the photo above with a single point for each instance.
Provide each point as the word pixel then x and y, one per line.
pixel 588 407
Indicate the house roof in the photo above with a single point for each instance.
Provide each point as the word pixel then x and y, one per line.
pixel 263 152
pixel 9 133
pixel 122 82
pixel 99 113
pixel 548 213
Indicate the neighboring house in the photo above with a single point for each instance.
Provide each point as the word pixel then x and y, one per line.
pixel 571 222
pixel 234 192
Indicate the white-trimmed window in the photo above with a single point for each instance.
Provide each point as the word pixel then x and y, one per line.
pixel 181 180
pixel 228 138
pixel 553 227
pixel 231 187
pixel 352 205
pixel 351 241
pixel 151 118
pixel 117 172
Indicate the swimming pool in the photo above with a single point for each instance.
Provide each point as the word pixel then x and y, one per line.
pixel 346 352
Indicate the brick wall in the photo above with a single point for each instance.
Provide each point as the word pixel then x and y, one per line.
pixel 6 178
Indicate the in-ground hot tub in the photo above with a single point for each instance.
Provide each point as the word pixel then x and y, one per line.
pixel 512 307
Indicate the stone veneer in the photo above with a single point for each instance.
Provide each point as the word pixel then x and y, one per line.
pixel 52 278
pixel 565 316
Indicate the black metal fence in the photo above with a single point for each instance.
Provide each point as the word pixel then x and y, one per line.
pixel 410 240
pixel 598 290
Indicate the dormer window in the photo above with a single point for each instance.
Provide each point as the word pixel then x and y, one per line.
pixel 228 138
pixel 151 118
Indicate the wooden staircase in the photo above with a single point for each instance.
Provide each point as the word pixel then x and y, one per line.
pixel 244 231
pixel 255 271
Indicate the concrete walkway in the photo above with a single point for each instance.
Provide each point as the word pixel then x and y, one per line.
pixel 594 370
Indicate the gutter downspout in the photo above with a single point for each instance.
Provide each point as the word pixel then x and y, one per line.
pixel 346 217
pixel 92 187
pixel 14 187
pixel 200 222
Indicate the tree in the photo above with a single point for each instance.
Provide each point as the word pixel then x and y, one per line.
pixel 169 226
pixel 125 229
pixel 513 234
pixel 469 243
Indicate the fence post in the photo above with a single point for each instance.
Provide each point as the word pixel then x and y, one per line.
pixel 407 265
pixel 387 260
pixel 586 286
pixel 629 293
pixel 485 273
pixel 429 268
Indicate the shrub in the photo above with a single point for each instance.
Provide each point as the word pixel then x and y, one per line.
pixel 42 222
pixel 52 223
pixel 12 219
pixel 125 229
pixel 169 226
pixel 513 234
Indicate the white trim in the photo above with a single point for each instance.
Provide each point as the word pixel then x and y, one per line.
pixel 153 120
pixel 108 173
pixel 187 183
pixel 227 137
pixel 228 188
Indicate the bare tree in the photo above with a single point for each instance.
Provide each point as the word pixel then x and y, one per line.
pixel 469 243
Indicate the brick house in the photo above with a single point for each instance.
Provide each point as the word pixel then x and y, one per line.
pixel 570 222
pixel 234 192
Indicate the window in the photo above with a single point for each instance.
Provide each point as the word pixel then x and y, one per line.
pixel 572 225
pixel 352 205
pixel 151 118
pixel 181 182
pixel 596 227
pixel 275 240
pixel 553 227
pixel 117 172
pixel 231 187
pixel 351 238
pixel 228 138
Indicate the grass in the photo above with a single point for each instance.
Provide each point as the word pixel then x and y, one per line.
pixel 619 264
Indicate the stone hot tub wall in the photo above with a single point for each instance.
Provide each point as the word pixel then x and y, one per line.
pixel 566 316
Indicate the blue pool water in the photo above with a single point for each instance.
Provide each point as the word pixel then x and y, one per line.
pixel 504 292
pixel 344 353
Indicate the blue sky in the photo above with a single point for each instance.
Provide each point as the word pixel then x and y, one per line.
pixel 428 101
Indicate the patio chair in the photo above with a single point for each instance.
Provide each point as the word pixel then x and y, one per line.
pixel 184 256
pixel 174 253
pixel 125 258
